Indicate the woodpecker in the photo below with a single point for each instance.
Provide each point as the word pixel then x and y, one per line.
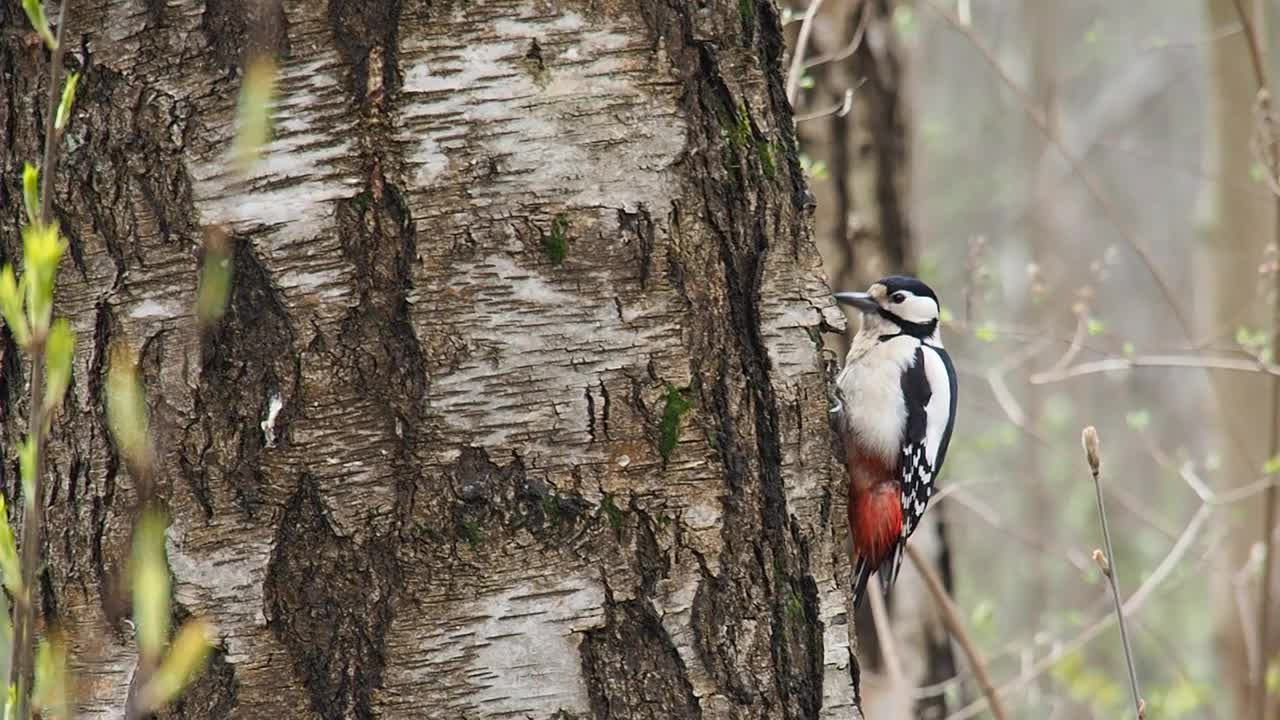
pixel 896 408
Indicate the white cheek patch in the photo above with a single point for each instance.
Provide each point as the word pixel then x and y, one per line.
pixel 916 309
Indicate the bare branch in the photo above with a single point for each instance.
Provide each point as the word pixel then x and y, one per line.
pixel 1107 563
pixel 955 625
pixel 802 44
pixel 1149 361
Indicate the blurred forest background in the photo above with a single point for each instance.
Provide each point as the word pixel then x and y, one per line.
pixel 1086 185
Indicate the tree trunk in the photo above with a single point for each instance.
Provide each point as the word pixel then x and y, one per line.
pixel 864 231
pixel 518 409
pixel 1238 219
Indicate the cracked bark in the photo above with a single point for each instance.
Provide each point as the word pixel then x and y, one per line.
pixel 490 241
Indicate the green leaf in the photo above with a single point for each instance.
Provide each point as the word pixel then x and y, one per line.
pixel 677 404
pixel 42 248
pixel 51 687
pixel 215 278
pixel 60 350
pixel 184 662
pixel 68 100
pixel 1096 327
pixel 31 192
pixel 1271 466
pixel 9 565
pixel 986 332
pixel 1138 420
pixel 27 466
pixel 945 316
pixel 1128 349
pixel 35 13
pixel 127 409
pixel 254 113
pixel 11 306
pixel 149 575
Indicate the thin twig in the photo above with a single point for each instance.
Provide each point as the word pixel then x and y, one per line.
pixel 955 625
pixel 1107 563
pixel 1149 361
pixel 847 50
pixel 1099 197
pixel 802 44
pixel 1140 596
pixel 23 653
pixel 884 633
pixel 1266 120
pixel 838 110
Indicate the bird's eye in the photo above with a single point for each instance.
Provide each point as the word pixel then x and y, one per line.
pixel 899 297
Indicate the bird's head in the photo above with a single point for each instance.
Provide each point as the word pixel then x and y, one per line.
pixel 894 305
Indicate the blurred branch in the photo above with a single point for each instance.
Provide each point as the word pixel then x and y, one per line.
pixel 1106 563
pixel 951 616
pixel 884 633
pixel 1229 419
pixel 1148 361
pixel 839 110
pixel 1266 129
pixel 847 50
pixel 1135 601
pixel 1091 184
pixel 802 45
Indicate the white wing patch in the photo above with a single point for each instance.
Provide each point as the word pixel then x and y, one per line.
pixel 920 466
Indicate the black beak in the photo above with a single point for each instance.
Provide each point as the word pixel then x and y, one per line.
pixel 859 300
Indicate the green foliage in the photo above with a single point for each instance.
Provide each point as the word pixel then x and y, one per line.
pixel 1271 466
pixel 1179 700
pixel 1095 327
pixel 1138 420
pixel 556 243
pixel 11 302
pixel 31 192
pixel 795 607
pixel 187 656
pixel 52 689
pixel 677 404
pixel 611 511
pixel 27 468
pixel 59 351
pixel 1256 342
pixel 768 164
pixel 42 249
pixel 254 112
pixel 215 278
pixel 986 332
pixel 9 565
pixel 68 100
pixel 814 169
pixel 40 23
pixel 127 408
pixel 1088 684
pixel 149 576
pixel 472 533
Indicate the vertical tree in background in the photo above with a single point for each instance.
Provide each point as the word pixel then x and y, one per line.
pixel 517 408
pixel 864 231
pixel 1238 218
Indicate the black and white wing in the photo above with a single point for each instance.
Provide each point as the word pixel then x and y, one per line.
pixel 929 391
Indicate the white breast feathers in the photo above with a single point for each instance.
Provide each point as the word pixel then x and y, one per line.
pixel 875 411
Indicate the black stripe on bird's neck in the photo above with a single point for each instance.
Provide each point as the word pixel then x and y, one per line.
pixel 921 331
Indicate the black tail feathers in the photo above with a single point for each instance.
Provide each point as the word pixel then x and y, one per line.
pixel 888 571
